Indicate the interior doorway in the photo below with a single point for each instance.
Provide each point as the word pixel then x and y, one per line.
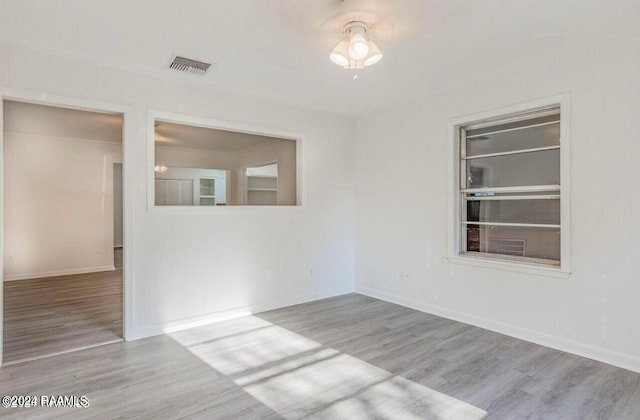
pixel 62 229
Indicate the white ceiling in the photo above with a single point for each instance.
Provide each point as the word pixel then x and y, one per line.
pixel 279 49
pixel 191 137
pixel 25 118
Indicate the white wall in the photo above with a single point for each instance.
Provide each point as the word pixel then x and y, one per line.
pixel 58 205
pixel 402 213
pixel 189 267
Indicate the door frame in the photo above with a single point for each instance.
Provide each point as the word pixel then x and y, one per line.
pixel 128 181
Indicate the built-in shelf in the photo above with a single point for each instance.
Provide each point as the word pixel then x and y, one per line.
pixel 262 190
pixel 259 182
pixel 207 191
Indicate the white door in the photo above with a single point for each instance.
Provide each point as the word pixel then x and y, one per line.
pixel 161 192
pixel 173 186
pixel 174 192
pixel 185 192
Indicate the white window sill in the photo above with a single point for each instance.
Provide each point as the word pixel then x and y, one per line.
pixel 517 267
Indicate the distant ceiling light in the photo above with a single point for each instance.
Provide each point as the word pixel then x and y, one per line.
pixel 355 51
pixel 160 168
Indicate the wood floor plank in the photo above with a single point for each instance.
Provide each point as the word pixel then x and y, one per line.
pixel 347 357
pixel 56 314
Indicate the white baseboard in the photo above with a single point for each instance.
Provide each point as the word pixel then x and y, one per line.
pixel 623 360
pixel 56 273
pixel 214 317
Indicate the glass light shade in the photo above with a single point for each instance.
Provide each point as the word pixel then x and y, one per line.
pixel 374 54
pixel 358 47
pixel 339 55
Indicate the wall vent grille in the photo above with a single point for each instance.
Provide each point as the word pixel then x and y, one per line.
pixel 188 65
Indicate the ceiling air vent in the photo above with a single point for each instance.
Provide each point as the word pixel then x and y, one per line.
pixel 189 66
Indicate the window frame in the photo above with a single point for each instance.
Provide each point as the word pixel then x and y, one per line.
pixel 454 235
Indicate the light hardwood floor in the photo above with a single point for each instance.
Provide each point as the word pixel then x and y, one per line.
pixel 55 314
pixel 347 357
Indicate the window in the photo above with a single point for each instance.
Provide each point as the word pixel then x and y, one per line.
pixel 196 165
pixel 509 189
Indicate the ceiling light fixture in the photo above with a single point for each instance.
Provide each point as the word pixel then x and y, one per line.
pixel 355 51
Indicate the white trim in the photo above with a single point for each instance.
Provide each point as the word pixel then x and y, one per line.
pixel 1 225
pixel 512 197
pixel 57 273
pixel 41 98
pixel 512 152
pixel 601 354
pixel 521 116
pixel 301 182
pixel 565 182
pixel 453 181
pixel 506 265
pixel 523 188
pixel 533 225
pixel 128 199
pixel 507 130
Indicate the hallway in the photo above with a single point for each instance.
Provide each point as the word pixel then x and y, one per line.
pixel 51 315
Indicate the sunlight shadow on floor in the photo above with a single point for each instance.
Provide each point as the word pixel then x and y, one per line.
pixel 299 377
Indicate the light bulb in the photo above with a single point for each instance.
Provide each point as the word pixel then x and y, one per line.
pixel 374 54
pixel 358 46
pixel 339 55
